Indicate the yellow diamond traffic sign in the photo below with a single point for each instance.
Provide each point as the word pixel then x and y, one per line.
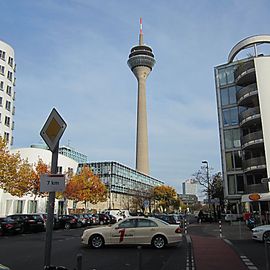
pixel 53 129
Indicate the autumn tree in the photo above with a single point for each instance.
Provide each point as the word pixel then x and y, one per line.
pixel 15 173
pixel 86 187
pixel 166 197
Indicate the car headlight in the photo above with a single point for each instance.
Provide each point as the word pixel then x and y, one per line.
pixel 257 230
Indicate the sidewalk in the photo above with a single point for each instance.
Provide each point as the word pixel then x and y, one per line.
pixel 212 252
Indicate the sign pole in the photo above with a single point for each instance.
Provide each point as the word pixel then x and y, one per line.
pixel 50 207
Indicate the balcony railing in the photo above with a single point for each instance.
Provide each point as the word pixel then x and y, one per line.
pixel 245 73
pixel 254 164
pixel 252 138
pixel 257 188
pixel 249 114
pixel 246 92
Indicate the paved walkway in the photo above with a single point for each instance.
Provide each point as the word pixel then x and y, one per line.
pixel 210 252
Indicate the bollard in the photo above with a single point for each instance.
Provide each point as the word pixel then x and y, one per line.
pixel 220 229
pixel 185 226
pixel 266 247
pixel 79 261
pixel 139 248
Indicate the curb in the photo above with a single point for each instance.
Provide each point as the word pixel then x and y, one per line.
pixel 190 262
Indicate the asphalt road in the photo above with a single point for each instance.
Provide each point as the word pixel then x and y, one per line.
pixel 26 252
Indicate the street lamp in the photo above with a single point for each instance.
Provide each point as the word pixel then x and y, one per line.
pixel 208 185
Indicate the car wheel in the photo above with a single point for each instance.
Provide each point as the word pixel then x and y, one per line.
pixel 67 226
pixel 101 222
pixel 96 241
pixel 266 236
pixel 159 241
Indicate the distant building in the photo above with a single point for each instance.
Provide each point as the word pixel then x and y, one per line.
pixel 190 187
pixel 7 92
pixel 72 153
pixel 188 199
pixel 122 182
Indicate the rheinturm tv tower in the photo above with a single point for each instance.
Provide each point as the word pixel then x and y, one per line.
pixel 141 61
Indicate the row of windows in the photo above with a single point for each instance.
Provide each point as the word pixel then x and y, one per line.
pixel 228 95
pixel 3 57
pixel 8 89
pixel 226 75
pixel 8 104
pixel 9 73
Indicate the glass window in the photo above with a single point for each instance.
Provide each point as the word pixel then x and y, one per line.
pixel 234 116
pixel 229 161
pixel 222 77
pixel 237 160
pixel 130 223
pixel 1 100
pixel 146 223
pixel 230 74
pixel 231 184
pixel 228 139
pixel 232 94
pixel 224 96
pixel 236 137
pixel 240 183
pixel 226 117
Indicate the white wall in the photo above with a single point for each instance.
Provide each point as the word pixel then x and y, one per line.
pixel 262 66
pixel 8 203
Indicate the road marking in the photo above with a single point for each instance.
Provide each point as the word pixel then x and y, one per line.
pixel 190 265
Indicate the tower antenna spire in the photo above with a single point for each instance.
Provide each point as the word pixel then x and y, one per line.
pixel 141 33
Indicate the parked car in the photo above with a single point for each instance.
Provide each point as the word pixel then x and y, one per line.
pixel 170 218
pixel 67 221
pixel 81 220
pixel 261 233
pixel 94 219
pixel 30 222
pixel 88 220
pixel 56 223
pixel 134 231
pixel 113 219
pixel 103 219
pixel 10 226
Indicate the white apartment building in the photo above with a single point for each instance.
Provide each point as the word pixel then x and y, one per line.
pixel 190 187
pixel 7 92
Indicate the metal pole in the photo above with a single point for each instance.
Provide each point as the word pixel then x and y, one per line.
pixel 220 229
pixel 139 248
pixel 50 207
pixel 79 261
pixel 266 248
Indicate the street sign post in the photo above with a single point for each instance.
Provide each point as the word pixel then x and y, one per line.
pixel 51 133
pixel 52 182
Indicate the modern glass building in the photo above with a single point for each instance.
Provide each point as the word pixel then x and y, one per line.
pixel 121 179
pixel 242 90
pixel 7 92
pixel 72 153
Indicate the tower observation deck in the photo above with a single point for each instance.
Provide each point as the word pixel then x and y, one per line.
pixel 141 61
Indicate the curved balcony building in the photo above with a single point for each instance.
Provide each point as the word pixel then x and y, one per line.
pixel 242 88
pixel 7 92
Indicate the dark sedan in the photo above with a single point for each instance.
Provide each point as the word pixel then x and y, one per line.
pixel 30 222
pixel 68 221
pixel 10 226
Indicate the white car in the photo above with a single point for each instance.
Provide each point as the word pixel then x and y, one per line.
pixel 134 231
pixel 261 233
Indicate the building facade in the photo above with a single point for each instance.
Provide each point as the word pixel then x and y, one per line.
pixel 190 187
pixel 122 182
pixel 242 90
pixel 72 153
pixel 29 204
pixel 7 92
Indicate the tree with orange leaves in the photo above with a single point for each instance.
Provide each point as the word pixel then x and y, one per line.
pixel 86 187
pixel 166 197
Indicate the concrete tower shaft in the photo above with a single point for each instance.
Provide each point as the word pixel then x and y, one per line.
pixel 141 61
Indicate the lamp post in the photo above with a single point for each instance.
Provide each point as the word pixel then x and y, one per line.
pixel 208 184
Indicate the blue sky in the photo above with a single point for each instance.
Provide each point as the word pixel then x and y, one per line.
pixel 71 55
